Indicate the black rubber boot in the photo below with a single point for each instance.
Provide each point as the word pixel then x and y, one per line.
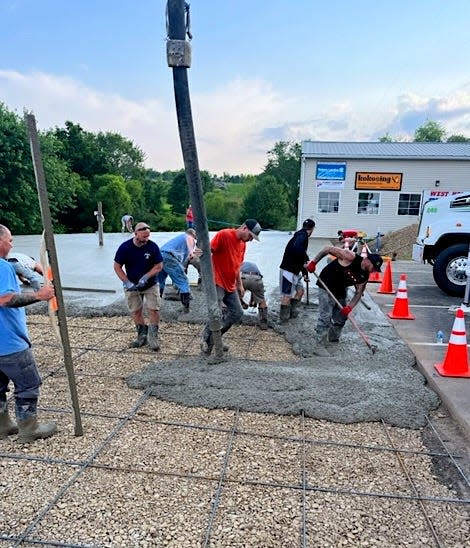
pixel 141 336
pixel 185 299
pixel 263 318
pixel 7 425
pixel 29 429
pixel 153 337
pixel 284 313
pixel 294 308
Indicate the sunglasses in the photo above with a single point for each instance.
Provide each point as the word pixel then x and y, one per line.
pixel 143 228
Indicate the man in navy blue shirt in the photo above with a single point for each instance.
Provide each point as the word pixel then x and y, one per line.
pixel 137 263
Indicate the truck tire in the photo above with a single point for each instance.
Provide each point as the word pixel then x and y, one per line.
pixel 449 270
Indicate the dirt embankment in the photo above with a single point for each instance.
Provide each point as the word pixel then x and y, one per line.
pixel 399 242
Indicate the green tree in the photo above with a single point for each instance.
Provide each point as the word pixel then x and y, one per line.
pixel 222 209
pixel 113 194
pixel 387 138
pixel 178 193
pixel 458 139
pixel 430 132
pixel 268 203
pixel 284 165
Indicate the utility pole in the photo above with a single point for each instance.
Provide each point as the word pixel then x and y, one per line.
pixel 179 59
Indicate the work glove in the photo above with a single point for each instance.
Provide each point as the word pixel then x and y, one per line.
pixel 129 286
pixel 311 266
pixel 346 310
pixel 142 282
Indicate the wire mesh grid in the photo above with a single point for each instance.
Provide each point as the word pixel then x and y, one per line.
pixel 149 472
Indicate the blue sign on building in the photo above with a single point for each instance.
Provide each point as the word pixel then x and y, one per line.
pixel 331 171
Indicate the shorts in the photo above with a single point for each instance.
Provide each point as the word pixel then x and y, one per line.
pixel 290 283
pixel 136 299
pixel 254 283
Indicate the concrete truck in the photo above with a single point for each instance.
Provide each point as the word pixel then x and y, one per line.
pixel 444 241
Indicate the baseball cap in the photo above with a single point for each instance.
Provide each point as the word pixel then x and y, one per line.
pixel 253 227
pixel 308 224
pixel 376 260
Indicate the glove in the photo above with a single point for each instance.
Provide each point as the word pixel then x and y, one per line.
pixel 129 286
pixel 311 266
pixel 142 282
pixel 346 310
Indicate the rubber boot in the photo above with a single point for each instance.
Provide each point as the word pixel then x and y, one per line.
pixel 185 298
pixel 29 429
pixel 263 318
pixel 334 333
pixel 153 337
pixel 319 347
pixel 294 308
pixel 141 336
pixel 7 426
pixel 284 313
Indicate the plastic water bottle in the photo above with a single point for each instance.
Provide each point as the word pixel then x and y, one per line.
pixel 439 337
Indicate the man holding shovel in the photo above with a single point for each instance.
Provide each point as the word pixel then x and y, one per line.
pixel 348 269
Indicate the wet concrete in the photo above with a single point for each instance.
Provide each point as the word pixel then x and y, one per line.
pixel 350 386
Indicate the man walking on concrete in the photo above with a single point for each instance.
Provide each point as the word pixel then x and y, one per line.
pixel 228 251
pixel 292 271
pixel 137 263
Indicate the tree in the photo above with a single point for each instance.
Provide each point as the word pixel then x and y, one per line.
pixel 178 193
pixel 458 139
pixel 112 192
pixel 222 210
pixel 284 165
pixel 387 138
pixel 267 202
pixel 430 132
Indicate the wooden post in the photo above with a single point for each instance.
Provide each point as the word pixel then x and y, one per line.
pixel 52 257
pixel 100 220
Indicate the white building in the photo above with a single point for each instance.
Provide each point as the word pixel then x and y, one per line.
pixel 376 187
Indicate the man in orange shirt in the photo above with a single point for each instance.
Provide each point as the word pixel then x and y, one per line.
pixel 228 252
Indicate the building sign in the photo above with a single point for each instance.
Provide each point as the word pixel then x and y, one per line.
pixel 378 181
pixel 330 175
pixel 331 171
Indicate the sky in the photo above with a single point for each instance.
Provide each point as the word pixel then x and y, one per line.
pixel 262 72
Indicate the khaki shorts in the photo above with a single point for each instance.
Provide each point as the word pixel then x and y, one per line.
pixel 136 299
pixel 254 283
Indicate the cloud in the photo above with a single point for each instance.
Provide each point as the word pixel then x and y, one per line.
pixel 229 121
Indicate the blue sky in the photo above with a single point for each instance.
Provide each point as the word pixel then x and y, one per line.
pixel 261 72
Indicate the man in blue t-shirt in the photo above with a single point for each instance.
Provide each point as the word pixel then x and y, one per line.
pixel 137 263
pixel 17 362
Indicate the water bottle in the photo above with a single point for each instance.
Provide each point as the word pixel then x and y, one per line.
pixel 439 337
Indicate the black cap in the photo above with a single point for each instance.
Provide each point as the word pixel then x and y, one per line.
pixel 376 260
pixel 254 227
pixel 308 224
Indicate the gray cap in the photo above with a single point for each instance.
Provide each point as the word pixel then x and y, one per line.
pixel 254 228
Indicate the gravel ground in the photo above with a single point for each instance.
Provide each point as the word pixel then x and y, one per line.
pixel 152 471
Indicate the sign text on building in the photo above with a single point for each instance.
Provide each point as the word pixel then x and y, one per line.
pixel 378 181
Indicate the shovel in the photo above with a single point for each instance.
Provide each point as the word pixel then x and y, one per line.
pixel 371 347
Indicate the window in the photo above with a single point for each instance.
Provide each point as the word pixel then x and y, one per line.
pixel 368 203
pixel 328 202
pixel 409 204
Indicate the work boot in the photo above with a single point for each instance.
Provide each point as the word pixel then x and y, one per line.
pixel 319 346
pixel 29 429
pixel 294 308
pixel 7 426
pixel 185 298
pixel 153 337
pixel 333 333
pixel 284 313
pixel 207 344
pixel 142 331
pixel 263 318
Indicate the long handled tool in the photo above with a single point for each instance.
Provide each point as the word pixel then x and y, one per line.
pixel 371 347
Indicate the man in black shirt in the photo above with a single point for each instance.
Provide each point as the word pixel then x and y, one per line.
pixel 347 269
pixel 293 271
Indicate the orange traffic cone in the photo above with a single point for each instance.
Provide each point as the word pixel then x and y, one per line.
pixel 400 308
pixel 455 363
pixel 386 285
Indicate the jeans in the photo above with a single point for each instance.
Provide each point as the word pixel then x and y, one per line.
pixel 233 313
pixel 175 269
pixel 329 313
pixel 21 369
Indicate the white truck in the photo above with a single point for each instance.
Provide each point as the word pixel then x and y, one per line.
pixel 444 241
